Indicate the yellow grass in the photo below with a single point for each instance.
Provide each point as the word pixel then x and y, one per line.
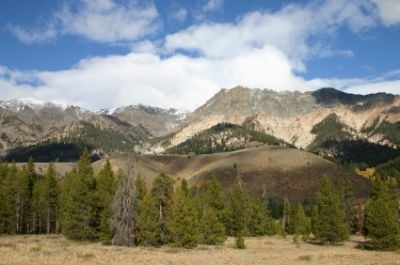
pixel 56 249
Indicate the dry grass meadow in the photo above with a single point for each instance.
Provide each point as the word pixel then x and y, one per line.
pixel 55 249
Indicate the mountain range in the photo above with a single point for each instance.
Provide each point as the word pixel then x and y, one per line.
pixel 319 121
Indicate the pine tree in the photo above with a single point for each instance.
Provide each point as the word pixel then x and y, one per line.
pixel 52 205
pixel 23 196
pixel 79 206
pixel 39 207
pixel 213 196
pixel 105 191
pixel 300 222
pixel 330 222
pixel 7 202
pixel 148 222
pixel 140 187
pixel 162 191
pixel 349 205
pixel 184 223
pixel 212 228
pixel 238 212
pixel 260 220
pixel 381 218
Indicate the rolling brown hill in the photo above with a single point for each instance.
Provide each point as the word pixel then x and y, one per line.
pixel 280 172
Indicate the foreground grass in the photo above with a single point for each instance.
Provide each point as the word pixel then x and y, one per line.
pixel 55 249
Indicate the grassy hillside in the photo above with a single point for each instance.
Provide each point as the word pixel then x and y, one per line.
pixel 280 172
pixel 223 137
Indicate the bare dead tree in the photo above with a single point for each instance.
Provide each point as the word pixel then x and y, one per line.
pixel 124 210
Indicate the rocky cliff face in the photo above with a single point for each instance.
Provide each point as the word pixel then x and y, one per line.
pixel 291 116
pixel 25 123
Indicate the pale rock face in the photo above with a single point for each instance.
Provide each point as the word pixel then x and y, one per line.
pixel 289 116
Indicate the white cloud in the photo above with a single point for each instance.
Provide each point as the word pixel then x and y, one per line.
pixel 389 11
pixel 213 5
pixel 260 49
pixel 301 31
pixel 34 36
pixel 392 87
pixel 180 14
pixel 106 21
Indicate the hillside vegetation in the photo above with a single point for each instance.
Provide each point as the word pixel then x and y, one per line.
pixel 223 137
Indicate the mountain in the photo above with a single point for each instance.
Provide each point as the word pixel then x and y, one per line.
pixel 29 127
pixel 327 122
pixel 318 121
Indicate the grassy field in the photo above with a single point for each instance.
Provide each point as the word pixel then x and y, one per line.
pixel 55 249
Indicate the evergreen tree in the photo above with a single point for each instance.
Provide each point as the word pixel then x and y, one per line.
pixel 381 218
pixel 260 221
pixel 7 199
pixel 105 189
pixel 212 228
pixel 79 205
pixel 213 196
pixel 300 222
pixel 52 205
pixel 148 231
pixel 239 242
pixel 330 222
pixel 23 196
pixel 184 224
pixel 349 205
pixel 140 187
pixel 39 207
pixel 238 212
pixel 162 191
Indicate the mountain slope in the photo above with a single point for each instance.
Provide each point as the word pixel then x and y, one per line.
pixel 279 172
pixel 292 116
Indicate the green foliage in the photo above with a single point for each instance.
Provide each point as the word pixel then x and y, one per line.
pixel 389 170
pixel 260 221
pixel 212 228
pixel 60 152
pixel 300 223
pixel 330 222
pixel 7 198
pixel 347 197
pixel 390 131
pixel 140 188
pixel 328 129
pixel 162 192
pixel 381 218
pixel 238 212
pixel 239 242
pixel 148 223
pixel 79 207
pixel 105 192
pixel 184 223
pixel 214 140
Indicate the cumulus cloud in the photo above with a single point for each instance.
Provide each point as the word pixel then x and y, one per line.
pixel 389 11
pixel 301 31
pixel 261 49
pixel 104 21
pixel 180 14
pixel 213 5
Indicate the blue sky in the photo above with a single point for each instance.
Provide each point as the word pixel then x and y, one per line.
pixel 107 53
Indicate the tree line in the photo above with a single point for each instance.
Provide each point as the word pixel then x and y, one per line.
pixel 120 209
